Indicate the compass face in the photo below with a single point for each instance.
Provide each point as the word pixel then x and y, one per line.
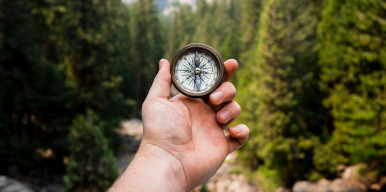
pixel 186 72
pixel 197 70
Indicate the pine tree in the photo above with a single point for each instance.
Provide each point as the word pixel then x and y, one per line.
pixel 202 18
pixel 280 96
pixel 353 62
pixel 93 39
pixel 33 94
pixel 91 165
pixel 250 14
pixel 91 53
pixel 217 24
pixel 230 43
pixel 182 29
pixel 148 47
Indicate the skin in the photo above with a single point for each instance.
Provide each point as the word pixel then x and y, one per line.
pixel 183 144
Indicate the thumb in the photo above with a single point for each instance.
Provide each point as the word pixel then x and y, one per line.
pixel 162 82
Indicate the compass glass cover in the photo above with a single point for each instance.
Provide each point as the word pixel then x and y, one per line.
pixel 196 71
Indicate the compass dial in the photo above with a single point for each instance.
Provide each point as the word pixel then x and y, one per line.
pixel 186 72
pixel 197 70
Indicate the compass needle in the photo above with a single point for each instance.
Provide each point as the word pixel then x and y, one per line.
pixel 197 70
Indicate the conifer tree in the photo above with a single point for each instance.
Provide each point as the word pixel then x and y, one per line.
pixel 217 25
pixel 91 165
pixel 230 43
pixel 33 94
pixel 250 14
pixel 279 93
pixel 92 56
pixel 148 47
pixel 182 29
pixel 353 62
pixel 201 16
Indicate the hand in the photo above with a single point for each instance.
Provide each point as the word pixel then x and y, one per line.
pixel 183 137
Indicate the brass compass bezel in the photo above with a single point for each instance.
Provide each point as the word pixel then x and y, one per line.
pixel 217 59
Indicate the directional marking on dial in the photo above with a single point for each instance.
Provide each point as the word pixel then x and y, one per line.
pixel 197 70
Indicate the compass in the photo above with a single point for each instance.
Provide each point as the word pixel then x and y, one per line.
pixel 197 70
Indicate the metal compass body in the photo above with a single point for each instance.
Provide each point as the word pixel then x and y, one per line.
pixel 197 70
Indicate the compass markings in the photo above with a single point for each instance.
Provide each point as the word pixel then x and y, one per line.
pixel 185 71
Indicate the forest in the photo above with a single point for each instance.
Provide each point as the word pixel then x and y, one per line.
pixel 311 82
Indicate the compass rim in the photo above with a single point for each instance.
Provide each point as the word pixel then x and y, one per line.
pixel 218 61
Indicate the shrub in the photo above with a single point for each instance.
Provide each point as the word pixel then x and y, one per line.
pixel 91 165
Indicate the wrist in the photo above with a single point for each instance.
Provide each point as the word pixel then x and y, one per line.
pixel 152 169
pixel 164 166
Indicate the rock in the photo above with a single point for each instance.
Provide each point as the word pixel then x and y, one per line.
pixel 352 172
pixel 52 188
pixel 133 128
pixel 375 187
pixel 324 184
pixel 340 169
pixel 344 185
pixel 227 181
pixel 281 189
pixel 382 181
pixel 306 186
pixel 10 185
pixel 131 133
pixel 211 186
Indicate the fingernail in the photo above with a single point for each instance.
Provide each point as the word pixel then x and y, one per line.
pixel 224 115
pixel 236 128
pixel 217 96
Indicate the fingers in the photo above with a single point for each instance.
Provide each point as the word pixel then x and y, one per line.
pixel 162 82
pixel 238 135
pixel 230 68
pixel 228 113
pixel 225 93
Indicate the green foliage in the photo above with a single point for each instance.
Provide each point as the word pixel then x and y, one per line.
pixel 213 23
pixel 291 131
pixel 34 99
pixel 91 165
pixel 353 61
pixel 311 84
pixel 268 178
pixel 279 92
pixel 147 47
pixel 95 60
pixel 235 171
pixel 59 58
pixel 204 188
pixel 181 30
pixel 250 15
pixel 325 161
pixel 92 57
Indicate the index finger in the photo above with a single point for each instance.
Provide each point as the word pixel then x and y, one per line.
pixel 230 68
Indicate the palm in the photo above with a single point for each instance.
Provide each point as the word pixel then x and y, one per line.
pixel 187 129
pixel 183 143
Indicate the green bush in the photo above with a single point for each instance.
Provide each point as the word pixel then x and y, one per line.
pixel 91 165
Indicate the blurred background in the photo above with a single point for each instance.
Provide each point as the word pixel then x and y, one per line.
pixel 311 83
